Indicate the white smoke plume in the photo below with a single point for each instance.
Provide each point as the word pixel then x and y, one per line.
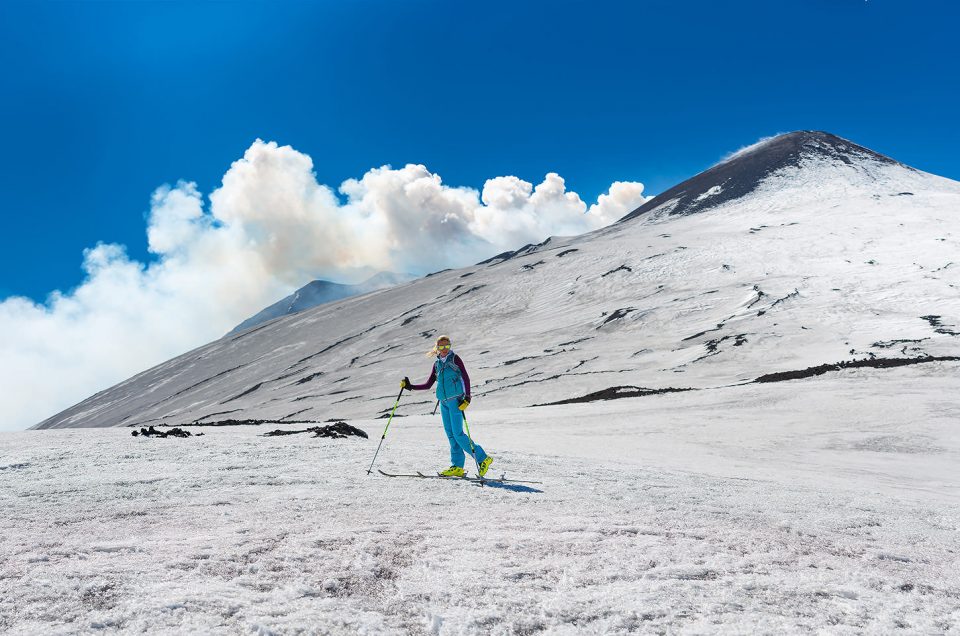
pixel 268 229
pixel 749 148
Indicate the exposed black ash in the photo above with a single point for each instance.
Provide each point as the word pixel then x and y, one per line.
pixel 616 393
pixel 152 432
pixel 877 363
pixel 337 430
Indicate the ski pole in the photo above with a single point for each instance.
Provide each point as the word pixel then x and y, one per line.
pixel 384 436
pixel 435 407
pixel 473 450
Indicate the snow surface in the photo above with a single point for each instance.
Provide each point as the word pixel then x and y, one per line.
pixel 829 504
pixel 712 191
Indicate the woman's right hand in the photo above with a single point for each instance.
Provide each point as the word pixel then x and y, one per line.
pixel 405 383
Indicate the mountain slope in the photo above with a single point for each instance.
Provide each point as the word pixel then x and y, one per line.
pixel 827 252
pixel 318 292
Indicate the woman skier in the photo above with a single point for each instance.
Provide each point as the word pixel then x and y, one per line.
pixel 453 392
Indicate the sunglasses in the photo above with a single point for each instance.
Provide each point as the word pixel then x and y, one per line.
pixel 443 346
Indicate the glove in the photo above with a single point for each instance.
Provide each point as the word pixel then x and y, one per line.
pixel 405 383
pixel 464 403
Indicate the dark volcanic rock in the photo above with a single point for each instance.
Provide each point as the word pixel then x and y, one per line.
pixel 876 363
pixel 743 172
pixel 615 393
pixel 338 430
pixel 938 327
pixel 152 432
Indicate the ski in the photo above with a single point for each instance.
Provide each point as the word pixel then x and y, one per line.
pixel 478 480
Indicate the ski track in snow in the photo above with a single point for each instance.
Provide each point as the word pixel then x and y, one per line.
pixel 757 509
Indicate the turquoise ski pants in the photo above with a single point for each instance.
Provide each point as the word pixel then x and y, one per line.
pixel 459 442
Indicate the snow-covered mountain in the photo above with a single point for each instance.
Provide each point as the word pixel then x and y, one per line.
pixel 318 292
pixel 800 251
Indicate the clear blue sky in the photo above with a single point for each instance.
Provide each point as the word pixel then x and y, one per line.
pixel 102 102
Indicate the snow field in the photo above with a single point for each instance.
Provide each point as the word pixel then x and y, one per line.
pixel 794 507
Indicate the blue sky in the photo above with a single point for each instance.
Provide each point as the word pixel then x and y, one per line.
pixel 104 102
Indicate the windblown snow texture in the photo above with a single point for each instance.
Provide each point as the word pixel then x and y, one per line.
pixel 800 252
pixel 830 507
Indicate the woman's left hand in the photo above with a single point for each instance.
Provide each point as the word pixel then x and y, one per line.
pixel 464 403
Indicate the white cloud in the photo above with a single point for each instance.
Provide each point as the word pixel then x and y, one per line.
pixel 268 229
pixel 624 197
